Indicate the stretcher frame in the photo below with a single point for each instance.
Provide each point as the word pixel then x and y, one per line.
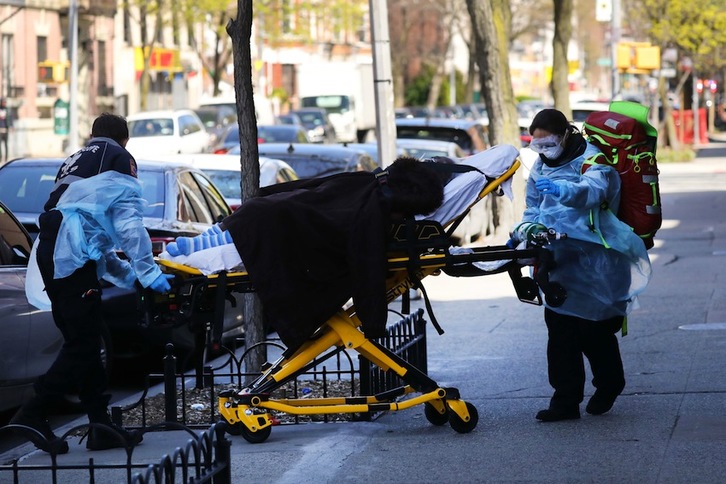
pixel 247 411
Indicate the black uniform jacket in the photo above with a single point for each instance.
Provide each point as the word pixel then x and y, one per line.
pixel 309 245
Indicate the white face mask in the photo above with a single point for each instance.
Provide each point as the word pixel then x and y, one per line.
pixel 549 146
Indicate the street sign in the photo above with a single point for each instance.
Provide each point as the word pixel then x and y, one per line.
pixel 61 117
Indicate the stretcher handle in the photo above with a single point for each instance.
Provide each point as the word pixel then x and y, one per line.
pixel 555 293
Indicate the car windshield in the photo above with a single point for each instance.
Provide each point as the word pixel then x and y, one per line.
pixel 151 127
pixel 311 118
pixel 152 189
pixel 227 181
pixel 458 136
pixel 26 188
pixel 312 166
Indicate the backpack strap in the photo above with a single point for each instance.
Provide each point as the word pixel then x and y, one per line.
pixel 594 216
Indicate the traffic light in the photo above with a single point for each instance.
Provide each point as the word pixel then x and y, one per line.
pixel 45 72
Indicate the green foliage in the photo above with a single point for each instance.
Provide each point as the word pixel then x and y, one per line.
pixel 417 92
pixel 669 155
pixel 699 30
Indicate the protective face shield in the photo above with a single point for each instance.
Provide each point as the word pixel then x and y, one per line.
pixel 549 146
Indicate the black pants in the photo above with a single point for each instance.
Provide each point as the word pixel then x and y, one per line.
pixel 76 307
pixel 569 339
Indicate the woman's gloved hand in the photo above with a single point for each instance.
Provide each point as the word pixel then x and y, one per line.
pixel 161 284
pixel 547 186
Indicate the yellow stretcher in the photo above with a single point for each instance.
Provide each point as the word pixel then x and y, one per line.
pixel 247 411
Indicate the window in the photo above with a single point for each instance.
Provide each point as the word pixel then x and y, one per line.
pixel 8 64
pixel 195 202
pixel 103 87
pixel 12 238
pixel 42 46
pixel 188 125
pixel 217 205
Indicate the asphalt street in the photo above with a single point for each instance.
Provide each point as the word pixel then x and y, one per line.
pixel 669 425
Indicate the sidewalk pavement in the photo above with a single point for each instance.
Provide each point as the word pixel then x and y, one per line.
pixel 669 425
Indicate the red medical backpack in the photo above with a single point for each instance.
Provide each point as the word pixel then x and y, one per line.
pixel 629 145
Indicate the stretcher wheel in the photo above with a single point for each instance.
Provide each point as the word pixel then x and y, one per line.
pixel 235 429
pixel 433 415
pixel 458 424
pixel 255 437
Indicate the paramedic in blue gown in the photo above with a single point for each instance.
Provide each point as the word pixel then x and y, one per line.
pixel 601 263
pixel 94 208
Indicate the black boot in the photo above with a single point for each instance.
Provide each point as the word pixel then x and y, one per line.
pixel 112 436
pixel 104 434
pixel 34 415
pixel 601 402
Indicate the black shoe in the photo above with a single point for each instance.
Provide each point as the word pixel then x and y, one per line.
pixel 600 403
pixel 49 442
pixel 112 437
pixel 555 415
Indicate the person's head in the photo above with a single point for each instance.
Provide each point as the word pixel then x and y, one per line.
pixel 550 131
pixel 415 187
pixel 113 126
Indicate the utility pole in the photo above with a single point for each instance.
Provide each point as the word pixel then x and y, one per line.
pixel 383 83
pixel 615 40
pixel 73 88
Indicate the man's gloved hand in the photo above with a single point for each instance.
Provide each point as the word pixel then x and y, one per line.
pixel 512 243
pixel 161 284
pixel 547 186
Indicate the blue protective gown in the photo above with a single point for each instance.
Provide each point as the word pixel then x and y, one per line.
pixel 602 263
pixel 101 214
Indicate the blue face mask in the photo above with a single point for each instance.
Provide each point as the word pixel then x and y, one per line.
pixel 549 146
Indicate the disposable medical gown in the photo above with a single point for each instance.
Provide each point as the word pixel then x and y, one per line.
pixel 602 264
pixel 101 214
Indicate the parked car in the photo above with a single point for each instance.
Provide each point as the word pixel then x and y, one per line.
pixel 224 171
pixel 30 339
pixel 166 133
pixel 216 118
pixel 182 201
pixel 289 118
pixel 469 135
pixel 372 150
pixel 270 133
pixel 427 148
pixel 317 122
pixel 310 160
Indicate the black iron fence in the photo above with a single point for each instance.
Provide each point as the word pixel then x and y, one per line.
pixel 206 456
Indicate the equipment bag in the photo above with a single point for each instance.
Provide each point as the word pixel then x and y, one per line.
pixel 628 143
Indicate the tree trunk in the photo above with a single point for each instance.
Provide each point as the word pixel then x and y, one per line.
pixel 490 26
pixel 563 33
pixel 240 30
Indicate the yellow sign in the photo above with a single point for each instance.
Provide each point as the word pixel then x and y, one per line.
pixel 159 60
pixel 635 57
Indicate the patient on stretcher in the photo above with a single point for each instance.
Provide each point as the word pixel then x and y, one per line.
pixel 310 245
pixel 459 193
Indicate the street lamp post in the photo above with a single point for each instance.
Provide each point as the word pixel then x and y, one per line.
pixel 383 82
pixel 73 88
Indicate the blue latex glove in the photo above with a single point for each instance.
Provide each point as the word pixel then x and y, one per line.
pixel 161 284
pixel 547 186
pixel 512 243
